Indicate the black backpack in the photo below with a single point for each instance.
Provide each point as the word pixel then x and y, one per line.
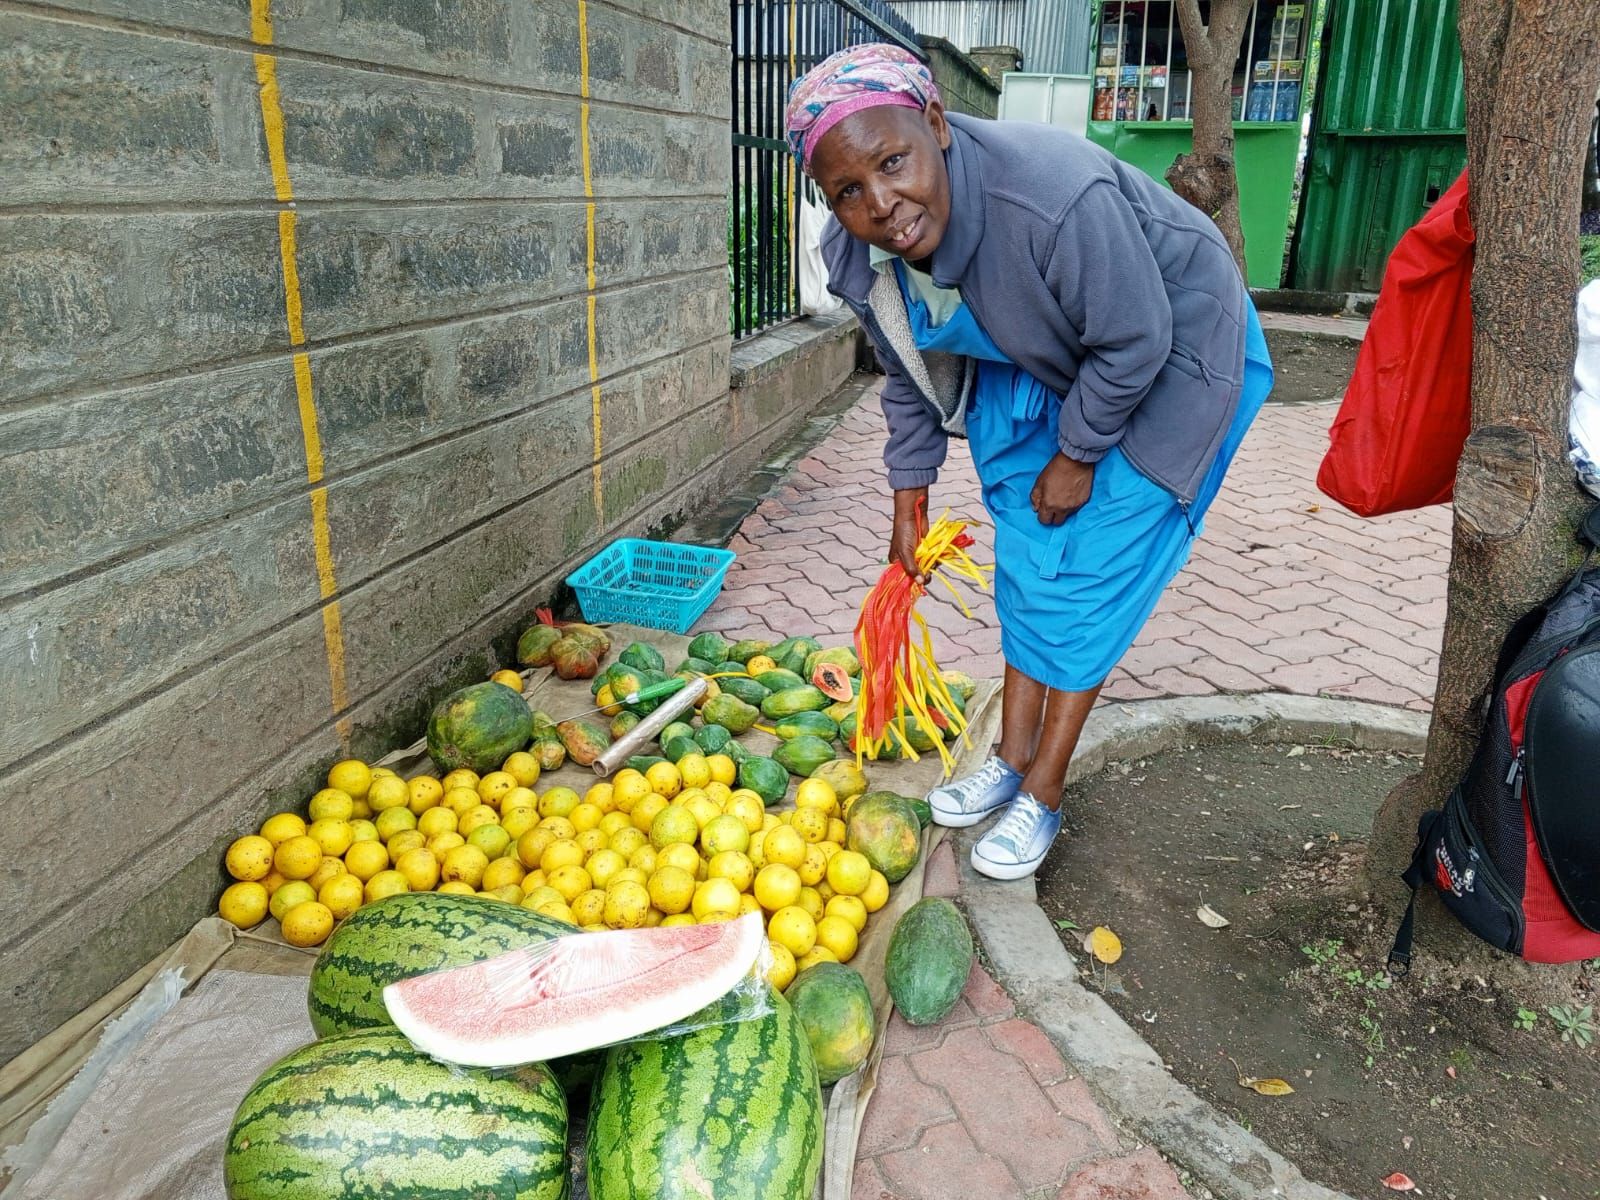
pixel 1515 853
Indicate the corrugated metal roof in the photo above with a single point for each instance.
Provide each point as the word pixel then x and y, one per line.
pixel 1053 35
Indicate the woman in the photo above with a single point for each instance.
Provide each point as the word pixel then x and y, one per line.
pixel 1086 330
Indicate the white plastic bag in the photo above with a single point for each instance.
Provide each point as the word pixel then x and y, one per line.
pixel 1584 420
pixel 815 298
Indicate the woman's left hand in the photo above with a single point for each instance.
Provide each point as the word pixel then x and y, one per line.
pixel 1061 489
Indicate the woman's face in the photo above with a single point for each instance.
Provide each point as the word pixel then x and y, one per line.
pixel 882 170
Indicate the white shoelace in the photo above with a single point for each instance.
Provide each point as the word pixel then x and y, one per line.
pixel 986 776
pixel 1018 825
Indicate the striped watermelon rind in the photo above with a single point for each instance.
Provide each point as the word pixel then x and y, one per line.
pixel 411 934
pixel 366 1115
pixel 732 1110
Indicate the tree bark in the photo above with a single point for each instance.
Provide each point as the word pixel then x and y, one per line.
pixel 1531 68
pixel 1207 176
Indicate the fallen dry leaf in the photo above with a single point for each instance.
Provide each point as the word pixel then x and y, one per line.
pixel 1211 918
pixel 1104 945
pixel 1314 508
pixel 1295 751
pixel 1266 1087
pixel 1399 1182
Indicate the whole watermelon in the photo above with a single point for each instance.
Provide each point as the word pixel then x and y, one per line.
pixel 731 1111
pixel 367 1115
pixel 835 1009
pixel 405 935
pixel 479 727
pixel 930 955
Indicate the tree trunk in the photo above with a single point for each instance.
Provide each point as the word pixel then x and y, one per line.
pixel 1206 177
pixel 1531 69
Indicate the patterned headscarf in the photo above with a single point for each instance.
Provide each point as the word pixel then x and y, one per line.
pixel 847 82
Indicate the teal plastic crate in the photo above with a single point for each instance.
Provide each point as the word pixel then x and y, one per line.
pixel 660 585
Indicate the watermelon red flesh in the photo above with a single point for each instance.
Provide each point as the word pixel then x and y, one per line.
pixel 573 994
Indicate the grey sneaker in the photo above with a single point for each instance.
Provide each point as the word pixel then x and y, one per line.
pixel 1017 844
pixel 967 801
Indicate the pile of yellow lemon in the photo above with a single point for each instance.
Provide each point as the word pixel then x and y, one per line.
pixel 675 845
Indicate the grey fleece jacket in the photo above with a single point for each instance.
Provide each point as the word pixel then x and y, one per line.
pixel 1088 274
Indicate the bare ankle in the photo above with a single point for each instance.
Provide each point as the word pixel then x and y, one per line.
pixel 1046 791
pixel 1017 762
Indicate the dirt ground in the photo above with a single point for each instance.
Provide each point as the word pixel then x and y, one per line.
pixel 1431 1078
pixel 1309 368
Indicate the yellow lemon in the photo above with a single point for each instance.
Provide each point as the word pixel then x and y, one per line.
pixel 600 795
pixel 280 827
pixel 523 767
pixel 342 895
pixel 848 908
pixel 793 929
pixel 724 833
pixel 307 924
pixel 704 809
pixel 534 878
pixel 333 834
pixel 720 794
pixel 366 859
pixel 461 777
pixel 783 845
pixel 627 875
pixel 352 777
pixel 561 853
pixel 532 845
pixel 694 770
pixel 877 892
pixel 733 866
pixel 814 866
pixel 829 849
pixel 811 824
pixel 509 894
pixel 474 817
pixel 296 891
pixel 811 901
pixel 362 830
pixel 442 843
pixel 585 816
pixel 329 867
pixel 602 865
pixel 385 883
pixel 627 906
pixel 491 839
pixel 558 802
pixel 818 954
pixel 849 873
pixel 591 840
pixel 510 679
pixel 541 894
pixel 590 908
pixel 671 889
pixel 571 881
pixel 456 888
pixel 361 808
pixel 273 882
pixel 404 842
pixel 715 896
pixel 394 820
pixel 664 779
pixel 643 856
pixel 782 971
pixel 249 859
pixel 466 863
pixel 628 787
pixel 838 831
pixel 380 772
pixel 519 797
pixel 653 917
pixel 422 793
pixel 645 812
pixel 757 851
pixel 495 787
pixel 769 821
pixel 682 855
pixel 614 823
pixel 557 910
pixel 838 935
pixel 244 904
pixel 437 820
pixel 723 769
pixel 331 802
pixel 748 809
pixel 518 821
pixel 563 829
pixel 388 792
pixel 420 868
pixel 626 842
pixel 461 800
pixel 674 824
pixel 760 664
pixel 678 919
pixel 748 904
pixel 503 871
pixel 825 891
pixel 298 857
pixel 817 793
pixel 777 886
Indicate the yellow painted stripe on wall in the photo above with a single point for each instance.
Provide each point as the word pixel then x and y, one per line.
pixel 261 22
pixel 597 416
pixel 291 276
pixel 272 125
pixel 308 416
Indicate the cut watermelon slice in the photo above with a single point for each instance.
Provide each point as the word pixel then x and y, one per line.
pixel 573 994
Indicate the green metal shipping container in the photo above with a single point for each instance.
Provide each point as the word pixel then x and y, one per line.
pixel 1388 137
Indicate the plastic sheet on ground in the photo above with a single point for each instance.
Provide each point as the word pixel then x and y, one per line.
pixel 131 1100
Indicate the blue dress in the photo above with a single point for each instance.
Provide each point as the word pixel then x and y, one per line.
pixel 1073 597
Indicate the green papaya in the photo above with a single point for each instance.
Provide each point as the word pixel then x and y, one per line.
pixel 533 647
pixel 839 656
pixel 767 778
pixel 698 666
pixel 712 647
pixel 816 724
pixel 884 827
pixel 839 710
pixel 803 755
pixel 780 680
pixel 787 703
pixel 930 956
pixel 712 738
pixel 791 654
pixel 735 750
pixel 644 657
pixel 743 652
pixel 643 762
pixel 680 748
pixel 623 723
pixel 585 740
pixel 745 688
pixel 676 729
pixel 732 713
pixel 847 728
pixel 845 778
pixel 960 683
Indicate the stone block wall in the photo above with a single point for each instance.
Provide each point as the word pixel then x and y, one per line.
pixel 335 333
pixel 964 84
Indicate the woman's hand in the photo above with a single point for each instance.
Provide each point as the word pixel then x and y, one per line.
pixel 910 526
pixel 1061 489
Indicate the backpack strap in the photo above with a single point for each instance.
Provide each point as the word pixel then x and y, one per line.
pixel 1413 877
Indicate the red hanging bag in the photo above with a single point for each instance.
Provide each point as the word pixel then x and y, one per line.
pixel 1408 409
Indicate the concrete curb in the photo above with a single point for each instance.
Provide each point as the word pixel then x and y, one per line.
pixel 1027 957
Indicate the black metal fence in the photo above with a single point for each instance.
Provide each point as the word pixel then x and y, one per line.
pixel 774 42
